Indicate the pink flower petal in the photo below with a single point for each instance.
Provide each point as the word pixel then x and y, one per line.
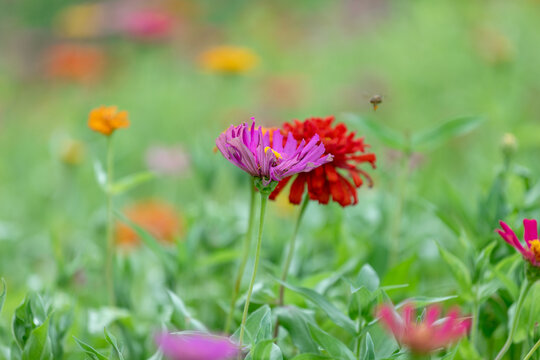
pixel 531 231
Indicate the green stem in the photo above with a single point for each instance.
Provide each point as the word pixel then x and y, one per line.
pixel 245 255
pixel 264 200
pixel 524 291
pixel 289 258
pixel 109 273
pixel 534 348
pixel 475 313
pixel 290 252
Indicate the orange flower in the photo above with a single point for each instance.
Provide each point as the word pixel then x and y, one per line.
pixel 228 59
pixel 106 119
pixel 79 63
pixel 161 220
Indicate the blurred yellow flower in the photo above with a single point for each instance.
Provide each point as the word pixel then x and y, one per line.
pixel 106 119
pixel 228 59
pixel 80 21
pixel 72 152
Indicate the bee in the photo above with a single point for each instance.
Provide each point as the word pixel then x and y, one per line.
pixel 375 100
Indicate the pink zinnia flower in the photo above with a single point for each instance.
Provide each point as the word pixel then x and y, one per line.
pixel 196 346
pixel 532 252
pixel 428 336
pixel 252 150
pixel 148 24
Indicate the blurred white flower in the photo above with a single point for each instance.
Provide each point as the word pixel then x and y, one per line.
pixel 164 160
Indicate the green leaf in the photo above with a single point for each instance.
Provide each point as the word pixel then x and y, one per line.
pixel 369 348
pixel 59 325
pixel 112 340
pixel 438 135
pixel 466 351
pixel 258 326
pixel 99 319
pixel 129 182
pixel 90 351
pixel 101 175
pixel 3 295
pixel 384 134
pixel 296 321
pixel 368 278
pixel 23 322
pixel 458 269
pixel 157 356
pixel 421 301
pixel 333 346
pixel 311 357
pixel 266 350
pixel 38 346
pixel 333 313
pixel 504 267
pixel 181 317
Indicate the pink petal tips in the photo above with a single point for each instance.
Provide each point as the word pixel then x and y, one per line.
pixel 531 252
pixel 428 336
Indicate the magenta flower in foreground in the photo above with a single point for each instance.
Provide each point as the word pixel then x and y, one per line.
pixel 532 252
pixel 428 336
pixel 253 151
pixel 196 346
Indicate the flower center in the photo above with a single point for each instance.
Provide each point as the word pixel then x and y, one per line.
pixel 277 155
pixel 535 249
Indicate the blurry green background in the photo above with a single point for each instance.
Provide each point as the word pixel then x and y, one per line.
pixel 431 60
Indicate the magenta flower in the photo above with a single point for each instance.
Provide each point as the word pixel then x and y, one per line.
pixel 428 336
pixel 196 346
pixel 532 252
pixel 253 151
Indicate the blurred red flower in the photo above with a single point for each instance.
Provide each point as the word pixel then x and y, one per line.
pixel 349 153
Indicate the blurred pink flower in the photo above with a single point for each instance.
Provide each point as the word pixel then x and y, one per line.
pixel 532 252
pixel 196 346
pixel 428 336
pixel 147 24
pixel 167 160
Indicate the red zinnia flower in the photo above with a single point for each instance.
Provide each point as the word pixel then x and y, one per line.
pixel 349 152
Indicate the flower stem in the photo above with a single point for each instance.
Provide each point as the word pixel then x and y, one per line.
pixel 264 200
pixel 401 186
pixel 245 255
pixel 524 291
pixel 531 352
pixel 475 313
pixel 290 255
pixel 109 273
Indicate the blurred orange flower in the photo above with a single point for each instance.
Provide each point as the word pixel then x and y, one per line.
pixel 106 119
pixel 77 63
pixel 160 219
pixel 228 59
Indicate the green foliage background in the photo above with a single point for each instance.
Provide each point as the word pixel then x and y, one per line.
pixel 429 226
